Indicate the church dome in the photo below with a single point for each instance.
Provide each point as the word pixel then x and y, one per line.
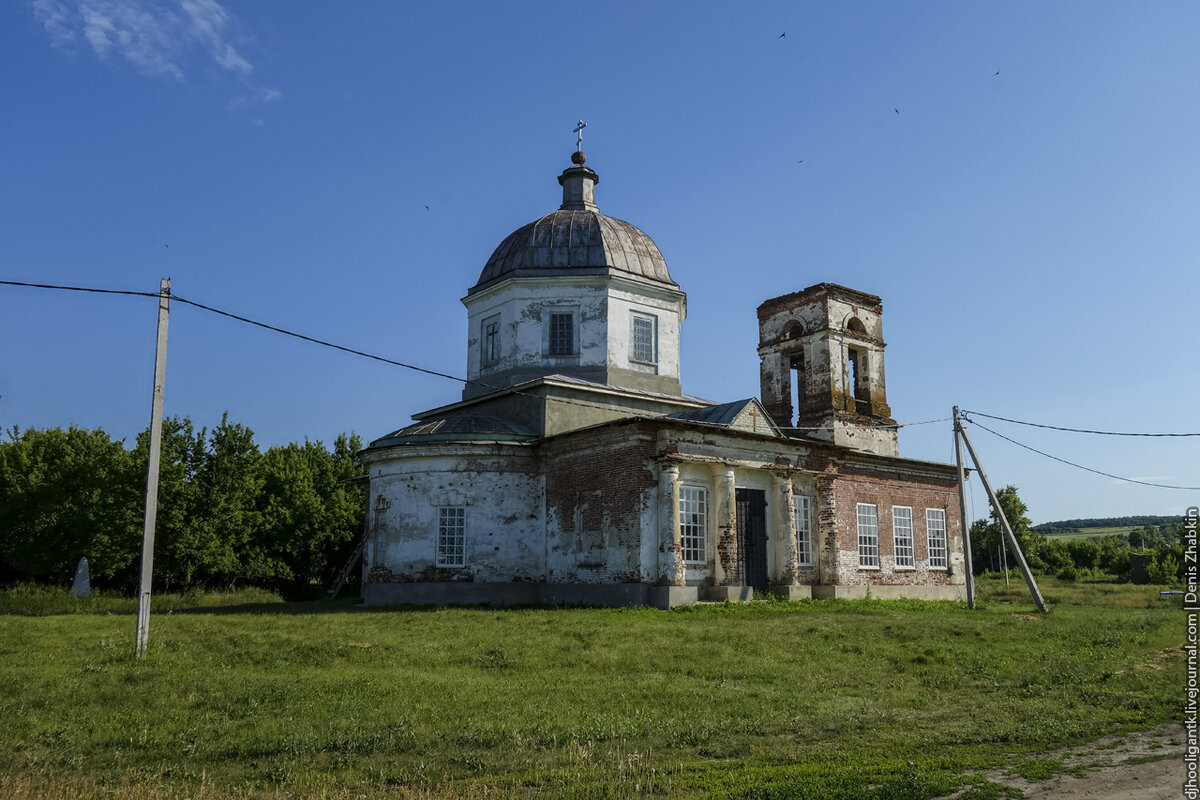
pixel 577 239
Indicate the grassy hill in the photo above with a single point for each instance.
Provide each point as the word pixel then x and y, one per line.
pixel 249 697
pixel 1082 529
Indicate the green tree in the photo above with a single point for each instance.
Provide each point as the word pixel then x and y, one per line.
pixel 63 495
pixel 311 511
pixel 986 534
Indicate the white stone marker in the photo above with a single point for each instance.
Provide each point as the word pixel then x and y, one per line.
pixel 82 586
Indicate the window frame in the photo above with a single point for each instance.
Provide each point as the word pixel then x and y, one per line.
pixel 868 541
pixel 489 344
pixel 805 508
pixel 939 554
pixel 652 322
pixel 451 537
pixel 572 314
pixel 910 561
pixel 693 531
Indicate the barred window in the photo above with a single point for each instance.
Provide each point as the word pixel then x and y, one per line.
pixel 804 530
pixel 452 536
pixel 902 535
pixel 491 340
pixel 562 334
pixel 693 523
pixel 935 525
pixel 644 336
pixel 868 536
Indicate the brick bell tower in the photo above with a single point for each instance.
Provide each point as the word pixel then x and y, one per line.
pixel 821 352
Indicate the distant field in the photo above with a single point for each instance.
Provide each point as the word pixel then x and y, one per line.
pixel 248 697
pixel 1088 533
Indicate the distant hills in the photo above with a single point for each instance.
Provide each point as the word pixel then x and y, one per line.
pixel 1105 522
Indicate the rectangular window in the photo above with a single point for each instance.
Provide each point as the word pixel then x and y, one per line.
pixel 452 536
pixel 644 339
pixel 491 340
pixel 562 334
pixel 902 536
pixel 868 536
pixel 804 530
pixel 693 523
pixel 935 525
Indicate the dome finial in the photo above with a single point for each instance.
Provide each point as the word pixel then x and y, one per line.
pixel 579 138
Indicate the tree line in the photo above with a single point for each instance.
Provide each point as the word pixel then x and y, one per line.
pixel 1105 522
pixel 1069 560
pixel 229 514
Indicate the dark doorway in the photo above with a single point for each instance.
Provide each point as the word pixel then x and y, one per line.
pixel 752 537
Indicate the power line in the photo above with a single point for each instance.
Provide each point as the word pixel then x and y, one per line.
pixel 373 356
pixel 79 288
pixel 1072 463
pixel 1073 430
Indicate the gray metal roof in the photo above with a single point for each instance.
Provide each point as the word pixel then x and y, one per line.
pixel 459 428
pixel 569 239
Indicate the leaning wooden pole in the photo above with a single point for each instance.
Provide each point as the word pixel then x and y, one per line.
pixel 1012 539
pixel 962 508
pixel 156 418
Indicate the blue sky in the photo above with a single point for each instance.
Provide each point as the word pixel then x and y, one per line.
pixel 1033 233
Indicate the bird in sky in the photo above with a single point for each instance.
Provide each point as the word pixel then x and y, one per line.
pixel 896 110
pixel 997 72
pixel 780 36
pixel 426 208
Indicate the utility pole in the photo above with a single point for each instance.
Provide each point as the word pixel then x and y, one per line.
pixel 156 418
pixel 962 509
pixel 1012 539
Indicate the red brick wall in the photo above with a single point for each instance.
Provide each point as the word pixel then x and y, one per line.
pixel 886 490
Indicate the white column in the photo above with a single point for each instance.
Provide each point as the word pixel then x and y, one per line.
pixel 670 560
pixel 785 524
pixel 725 555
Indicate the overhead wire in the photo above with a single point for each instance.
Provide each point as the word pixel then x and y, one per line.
pixel 963 416
pixel 1073 430
pixel 362 353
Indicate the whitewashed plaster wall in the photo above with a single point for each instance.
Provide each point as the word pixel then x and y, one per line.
pixel 603 306
pixel 504 502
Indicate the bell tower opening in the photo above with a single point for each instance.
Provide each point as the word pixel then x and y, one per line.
pixel 796 371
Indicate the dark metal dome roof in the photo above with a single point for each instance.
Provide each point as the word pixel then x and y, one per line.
pixel 568 239
pixel 577 237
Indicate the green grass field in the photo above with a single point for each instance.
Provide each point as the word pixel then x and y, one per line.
pixel 244 696
pixel 1084 534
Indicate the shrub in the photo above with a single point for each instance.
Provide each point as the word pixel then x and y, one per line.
pixel 1069 573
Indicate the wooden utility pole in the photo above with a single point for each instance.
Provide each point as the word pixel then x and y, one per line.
pixel 962 508
pixel 1012 539
pixel 156 418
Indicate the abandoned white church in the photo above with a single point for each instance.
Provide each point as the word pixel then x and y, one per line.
pixel 575 470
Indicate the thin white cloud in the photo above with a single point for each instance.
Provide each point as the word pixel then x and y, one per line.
pixel 56 19
pixel 157 37
pixel 207 23
pixel 145 37
pixel 257 96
